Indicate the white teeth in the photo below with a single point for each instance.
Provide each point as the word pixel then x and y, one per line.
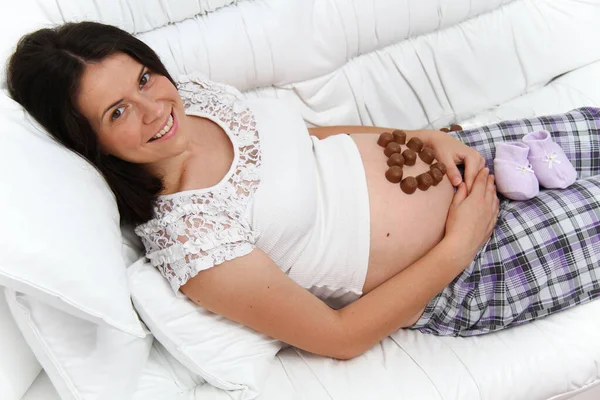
pixel 166 128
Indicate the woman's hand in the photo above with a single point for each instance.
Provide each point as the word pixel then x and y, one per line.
pixel 472 216
pixel 451 152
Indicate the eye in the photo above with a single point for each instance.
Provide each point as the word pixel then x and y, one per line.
pixel 144 79
pixel 117 113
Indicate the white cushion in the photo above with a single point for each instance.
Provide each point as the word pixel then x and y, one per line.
pixel 18 365
pixel 579 88
pixel 166 378
pixel 226 354
pixel 162 378
pixel 385 63
pixel 60 227
pixel 82 359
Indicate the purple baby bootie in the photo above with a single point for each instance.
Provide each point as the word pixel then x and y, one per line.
pixel 552 167
pixel 515 178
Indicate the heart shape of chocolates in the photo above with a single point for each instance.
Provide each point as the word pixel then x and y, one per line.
pixel 397 159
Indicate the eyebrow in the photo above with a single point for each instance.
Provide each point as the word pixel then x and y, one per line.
pixel 120 100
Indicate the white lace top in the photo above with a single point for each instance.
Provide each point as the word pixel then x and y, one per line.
pixel 197 229
pixel 301 200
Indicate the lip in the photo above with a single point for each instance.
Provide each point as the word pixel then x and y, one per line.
pixel 170 132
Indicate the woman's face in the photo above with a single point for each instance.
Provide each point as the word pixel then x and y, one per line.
pixel 137 114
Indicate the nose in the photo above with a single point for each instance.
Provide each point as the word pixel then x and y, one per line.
pixel 152 109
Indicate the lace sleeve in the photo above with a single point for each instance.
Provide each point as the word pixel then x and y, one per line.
pixel 187 241
pixel 189 85
pixel 197 230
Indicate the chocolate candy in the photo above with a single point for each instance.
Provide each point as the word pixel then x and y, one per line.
pixel 424 181
pixel 394 174
pixel 392 148
pixel 440 166
pixel 384 139
pixel 437 176
pixel 427 155
pixel 399 136
pixel 410 157
pixel 455 127
pixel 445 130
pixel 396 159
pixel 415 144
pixel 409 185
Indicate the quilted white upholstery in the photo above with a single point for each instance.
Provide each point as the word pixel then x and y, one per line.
pixel 379 62
pixel 400 63
pixel 385 62
pixel 544 360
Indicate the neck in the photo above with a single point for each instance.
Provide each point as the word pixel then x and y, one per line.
pixel 171 170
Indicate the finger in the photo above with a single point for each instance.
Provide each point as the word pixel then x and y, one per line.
pixel 491 187
pixel 460 195
pixel 473 164
pixel 453 174
pixel 480 183
pixel 495 206
pixel 496 213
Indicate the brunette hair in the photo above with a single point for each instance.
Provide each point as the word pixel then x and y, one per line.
pixel 44 76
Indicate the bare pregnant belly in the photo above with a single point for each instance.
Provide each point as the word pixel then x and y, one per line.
pixel 403 227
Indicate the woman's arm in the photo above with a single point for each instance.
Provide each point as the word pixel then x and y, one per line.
pixel 253 291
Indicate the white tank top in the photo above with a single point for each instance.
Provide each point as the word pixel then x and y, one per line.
pixel 301 200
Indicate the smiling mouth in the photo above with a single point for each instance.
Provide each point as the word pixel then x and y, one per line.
pixel 168 126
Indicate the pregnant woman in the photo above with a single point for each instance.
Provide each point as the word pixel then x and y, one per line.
pixel 296 232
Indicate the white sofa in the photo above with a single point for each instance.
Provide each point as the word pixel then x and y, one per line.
pixel 408 64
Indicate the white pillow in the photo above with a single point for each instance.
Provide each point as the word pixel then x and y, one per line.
pixel 60 227
pixel 226 354
pixel 82 359
pixel 18 365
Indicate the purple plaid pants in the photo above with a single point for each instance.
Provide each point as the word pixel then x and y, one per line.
pixel 544 253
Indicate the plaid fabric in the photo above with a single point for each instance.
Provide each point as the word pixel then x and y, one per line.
pixel 544 253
